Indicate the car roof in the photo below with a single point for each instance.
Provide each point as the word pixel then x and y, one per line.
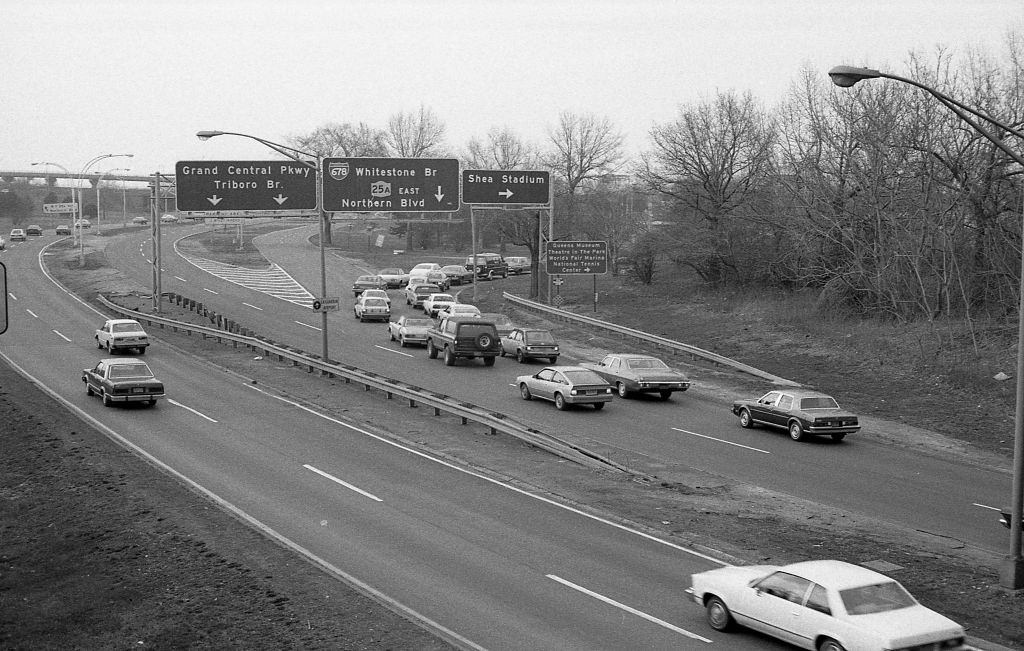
pixel 569 368
pixel 110 361
pixel 803 393
pixel 632 356
pixel 839 575
pixel 123 321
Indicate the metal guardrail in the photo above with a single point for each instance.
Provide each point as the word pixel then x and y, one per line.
pixel 647 337
pixel 497 422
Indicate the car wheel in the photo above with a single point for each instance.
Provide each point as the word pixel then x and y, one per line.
pixel 142 350
pixel 838 437
pixel 449 357
pixel 391 334
pixel 620 387
pixel 665 395
pixel 599 406
pixel 553 360
pixel 99 344
pixel 152 403
pixel 88 389
pixel 520 357
pixel 524 391
pixel 489 361
pixel 560 403
pixel 796 431
pixel 830 645
pixel 105 398
pixel 745 419
pixel 717 614
pixel 490 275
pixel 402 342
pixel 110 349
pixel 431 350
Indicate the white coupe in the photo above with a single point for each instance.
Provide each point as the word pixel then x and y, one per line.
pixel 823 605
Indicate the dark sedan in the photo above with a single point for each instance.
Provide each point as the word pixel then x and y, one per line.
pixel 802 413
pixel 122 380
pixel 368 282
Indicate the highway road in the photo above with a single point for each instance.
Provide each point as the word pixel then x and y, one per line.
pixel 484 564
pixel 901 485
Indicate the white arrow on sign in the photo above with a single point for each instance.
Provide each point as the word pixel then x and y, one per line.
pixel 507 193
pixel 279 199
pixel 215 199
pixel 439 195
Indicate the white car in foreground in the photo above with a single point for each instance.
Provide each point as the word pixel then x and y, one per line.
pixel 823 605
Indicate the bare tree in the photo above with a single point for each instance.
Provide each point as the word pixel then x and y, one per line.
pixel 583 148
pixel 418 134
pixel 714 162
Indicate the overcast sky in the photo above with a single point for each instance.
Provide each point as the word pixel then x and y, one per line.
pixel 84 78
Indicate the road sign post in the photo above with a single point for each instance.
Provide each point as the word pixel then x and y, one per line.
pixel 222 186
pixel 512 188
pixel 390 184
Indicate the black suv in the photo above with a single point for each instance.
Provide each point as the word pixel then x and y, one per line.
pixel 464 336
pixel 488 265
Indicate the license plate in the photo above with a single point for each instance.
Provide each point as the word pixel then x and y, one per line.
pixel 138 390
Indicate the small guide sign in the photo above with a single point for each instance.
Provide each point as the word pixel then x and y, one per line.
pixel 328 304
pixel 569 257
pixel 59 208
pixel 390 184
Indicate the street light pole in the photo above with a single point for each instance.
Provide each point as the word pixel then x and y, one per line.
pixel 295 154
pixel 1011 574
pixel 99 182
pixel 81 207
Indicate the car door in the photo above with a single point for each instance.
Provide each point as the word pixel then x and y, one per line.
pixel 94 378
pixel 781 410
pixel 509 343
pixel 774 605
pixel 761 410
pixel 545 384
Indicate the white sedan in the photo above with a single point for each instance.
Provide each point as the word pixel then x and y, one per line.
pixel 823 605
pixel 459 309
pixel 437 302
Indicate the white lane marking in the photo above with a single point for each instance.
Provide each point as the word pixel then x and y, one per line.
pixel 308 326
pixel 209 290
pixel 343 483
pixel 181 279
pixel 12 296
pixel 712 438
pixel 201 415
pixel 496 482
pixel 638 613
pixel 58 333
pixel 392 350
pixel 32 313
pixel 985 506
pixel 255 307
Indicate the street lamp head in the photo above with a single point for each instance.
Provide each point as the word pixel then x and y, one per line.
pixel 206 135
pixel 846 76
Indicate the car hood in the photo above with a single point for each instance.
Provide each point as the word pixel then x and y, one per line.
pixel 736 575
pixel 907 627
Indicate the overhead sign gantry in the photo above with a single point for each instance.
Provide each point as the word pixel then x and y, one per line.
pixel 390 184
pixel 223 186
pixel 506 187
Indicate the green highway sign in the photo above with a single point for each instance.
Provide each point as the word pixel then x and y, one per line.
pixel 506 187
pixel 232 186
pixel 390 184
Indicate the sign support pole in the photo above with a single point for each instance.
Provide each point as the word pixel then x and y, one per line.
pixel 323 256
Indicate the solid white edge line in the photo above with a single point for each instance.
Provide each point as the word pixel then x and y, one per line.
pixel 712 438
pixel 32 313
pixel 343 483
pixel 59 334
pixel 628 609
pixel 181 279
pixel 255 307
pixel 367 589
pixel 209 290
pixel 201 415
pixel 496 482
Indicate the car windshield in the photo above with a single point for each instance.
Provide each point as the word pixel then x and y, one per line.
pixel 127 327
pixel 877 598
pixel 426 289
pixel 419 323
pixel 819 402
pixel 122 371
pixel 539 337
pixel 646 362
pixel 583 376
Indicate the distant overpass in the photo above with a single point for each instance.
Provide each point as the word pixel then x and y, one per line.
pixel 51 176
